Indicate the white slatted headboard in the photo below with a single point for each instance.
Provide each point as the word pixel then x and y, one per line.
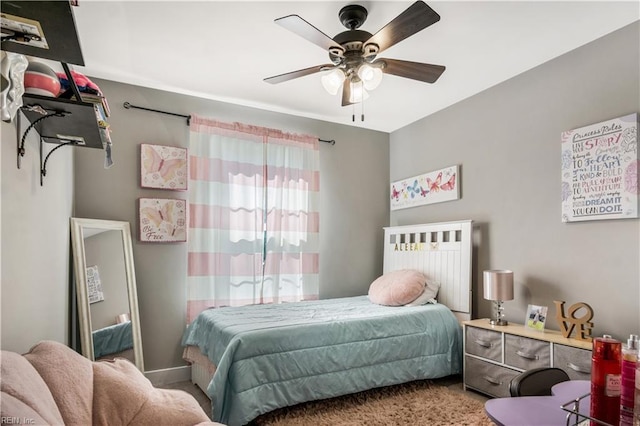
pixel 442 251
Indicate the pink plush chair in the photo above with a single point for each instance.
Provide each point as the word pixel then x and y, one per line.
pixel 54 385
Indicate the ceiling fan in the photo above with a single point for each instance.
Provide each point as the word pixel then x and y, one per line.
pixel 353 53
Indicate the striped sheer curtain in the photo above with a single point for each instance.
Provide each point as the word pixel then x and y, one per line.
pixel 253 208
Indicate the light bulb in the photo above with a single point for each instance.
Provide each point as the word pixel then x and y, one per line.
pixel 358 94
pixel 371 76
pixel 333 80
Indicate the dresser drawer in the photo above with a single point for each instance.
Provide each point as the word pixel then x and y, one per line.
pixel 488 378
pixel 484 343
pixel 575 361
pixel 526 353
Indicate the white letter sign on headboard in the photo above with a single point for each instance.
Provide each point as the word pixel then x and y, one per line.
pixel 441 251
pixel 600 171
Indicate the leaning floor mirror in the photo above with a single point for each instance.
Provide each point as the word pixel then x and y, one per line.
pixel 106 290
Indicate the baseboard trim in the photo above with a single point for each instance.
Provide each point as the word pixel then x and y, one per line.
pixel 166 376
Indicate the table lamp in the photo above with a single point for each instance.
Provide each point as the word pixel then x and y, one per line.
pixel 498 286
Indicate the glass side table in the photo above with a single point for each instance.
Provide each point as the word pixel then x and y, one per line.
pixel 576 412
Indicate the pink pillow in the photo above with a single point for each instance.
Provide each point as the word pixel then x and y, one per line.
pixel 397 288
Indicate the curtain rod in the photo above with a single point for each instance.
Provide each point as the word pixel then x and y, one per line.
pixel 127 105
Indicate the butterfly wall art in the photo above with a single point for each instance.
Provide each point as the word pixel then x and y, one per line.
pixel 163 167
pixel 433 187
pixel 162 220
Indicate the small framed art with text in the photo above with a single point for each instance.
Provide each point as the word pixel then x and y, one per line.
pixel 600 171
pixel 162 220
pixel 94 285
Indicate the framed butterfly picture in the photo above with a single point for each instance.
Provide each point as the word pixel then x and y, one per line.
pixel 162 220
pixel 163 167
pixel 433 187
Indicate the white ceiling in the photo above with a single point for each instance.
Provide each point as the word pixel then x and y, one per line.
pixel 223 50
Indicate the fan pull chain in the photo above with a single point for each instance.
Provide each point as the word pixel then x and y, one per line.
pixel 362 107
pixel 353 112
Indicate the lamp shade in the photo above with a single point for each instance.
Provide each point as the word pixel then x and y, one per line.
pixel 498 284
pixel 358 94
pixel 332 81
pixel 371 76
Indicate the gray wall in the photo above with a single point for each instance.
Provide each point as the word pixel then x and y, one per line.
pixel 354 205
pixel 507 141
pixel 35 244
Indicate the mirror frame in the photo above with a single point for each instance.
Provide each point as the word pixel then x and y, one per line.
pixel 79 262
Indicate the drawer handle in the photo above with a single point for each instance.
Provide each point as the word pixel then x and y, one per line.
pixel 526 355
pixel 492 380
pixel 483 343
pixel 578 368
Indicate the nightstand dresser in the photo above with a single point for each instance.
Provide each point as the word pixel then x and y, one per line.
pixel 493 355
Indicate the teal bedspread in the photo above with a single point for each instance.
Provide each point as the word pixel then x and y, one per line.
pixel 272 356
pixel 112 339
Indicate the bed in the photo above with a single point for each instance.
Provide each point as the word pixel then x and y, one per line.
pixel 113 341
pixel 251 360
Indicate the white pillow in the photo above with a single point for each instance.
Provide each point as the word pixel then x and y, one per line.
pixel 428 295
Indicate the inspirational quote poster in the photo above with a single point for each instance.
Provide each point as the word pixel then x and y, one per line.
pixel 600 171
pixel 94 285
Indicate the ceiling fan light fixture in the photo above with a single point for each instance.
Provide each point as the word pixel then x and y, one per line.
pixel 371 76
pixel 332 81
pixel 355 66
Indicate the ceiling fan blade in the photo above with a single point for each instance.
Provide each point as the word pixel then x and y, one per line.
pixel 416 18
pixel 296 24
pixel 299 73
pixel 414 70
pixel 346 93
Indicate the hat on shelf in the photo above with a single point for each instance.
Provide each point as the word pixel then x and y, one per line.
pixel 40 79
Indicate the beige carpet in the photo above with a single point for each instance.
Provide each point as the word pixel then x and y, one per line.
pixel 416 403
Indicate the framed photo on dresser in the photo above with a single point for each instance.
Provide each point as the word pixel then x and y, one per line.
pixel 536 317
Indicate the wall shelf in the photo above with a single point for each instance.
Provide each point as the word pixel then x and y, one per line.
pixel 64 122
pixel 55 19
pixel 47 29
pixel 77 124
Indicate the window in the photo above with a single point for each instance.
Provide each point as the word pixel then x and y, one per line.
pixel 254 222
